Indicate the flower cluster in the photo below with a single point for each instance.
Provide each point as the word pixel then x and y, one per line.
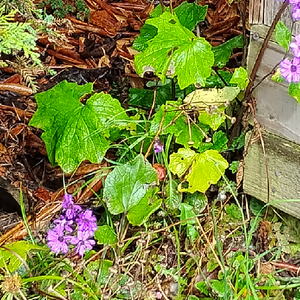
pixel 75 226
pixel 290 70
pixel 296 9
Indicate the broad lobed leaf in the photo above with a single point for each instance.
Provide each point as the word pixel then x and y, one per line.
pixel 74 132
pixel 175 50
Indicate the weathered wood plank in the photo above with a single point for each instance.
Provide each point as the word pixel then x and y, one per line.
pixel 283 158
pixel 255 12
pixel 264 11
pixel 276 110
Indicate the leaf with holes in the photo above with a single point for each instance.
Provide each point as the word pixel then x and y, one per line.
pixel 181 161
pixel 175 50
pixel 189 15
pixel 207 169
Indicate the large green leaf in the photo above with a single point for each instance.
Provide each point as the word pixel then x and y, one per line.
pixel 189 15
pixel 223 52
pixel 128 184
pixel 74 132
pixel 175 50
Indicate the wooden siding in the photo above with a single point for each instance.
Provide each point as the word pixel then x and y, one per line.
pixel 264 11
pixel 277 112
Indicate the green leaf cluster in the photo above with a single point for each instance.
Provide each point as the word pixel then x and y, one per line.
pixel 62 8
pixel 12 254
pixel 15 36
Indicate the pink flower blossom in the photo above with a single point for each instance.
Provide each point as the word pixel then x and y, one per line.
pixel 295 46
pixel 290 70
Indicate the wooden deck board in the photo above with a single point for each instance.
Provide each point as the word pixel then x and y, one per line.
pixel 283 158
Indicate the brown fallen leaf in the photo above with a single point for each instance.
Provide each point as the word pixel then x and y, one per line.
pixel 42 194
pixel 16 78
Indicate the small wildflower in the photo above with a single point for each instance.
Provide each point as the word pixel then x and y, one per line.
pixel 295 46
pixel 82 242
pixel 11 284
pixel 74 226
pixel 57 241
pixel 87 222
pixel 158 146
pixel 290 70
pixel 71 209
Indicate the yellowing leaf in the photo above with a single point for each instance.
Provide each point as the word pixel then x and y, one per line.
pixel 202 98
pixel 181 161
pixel 207 169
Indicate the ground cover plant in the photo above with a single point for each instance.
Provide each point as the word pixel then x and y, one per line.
pixel 140 195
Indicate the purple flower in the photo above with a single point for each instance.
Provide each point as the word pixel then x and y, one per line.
pixel 87 222
pixel 63 224
pixel 70 208
pixel 290 70
pixel 295 46
pixel 60 237
pixel 296 9
pixel 57 241
pixel 82 242
pixel 158 146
